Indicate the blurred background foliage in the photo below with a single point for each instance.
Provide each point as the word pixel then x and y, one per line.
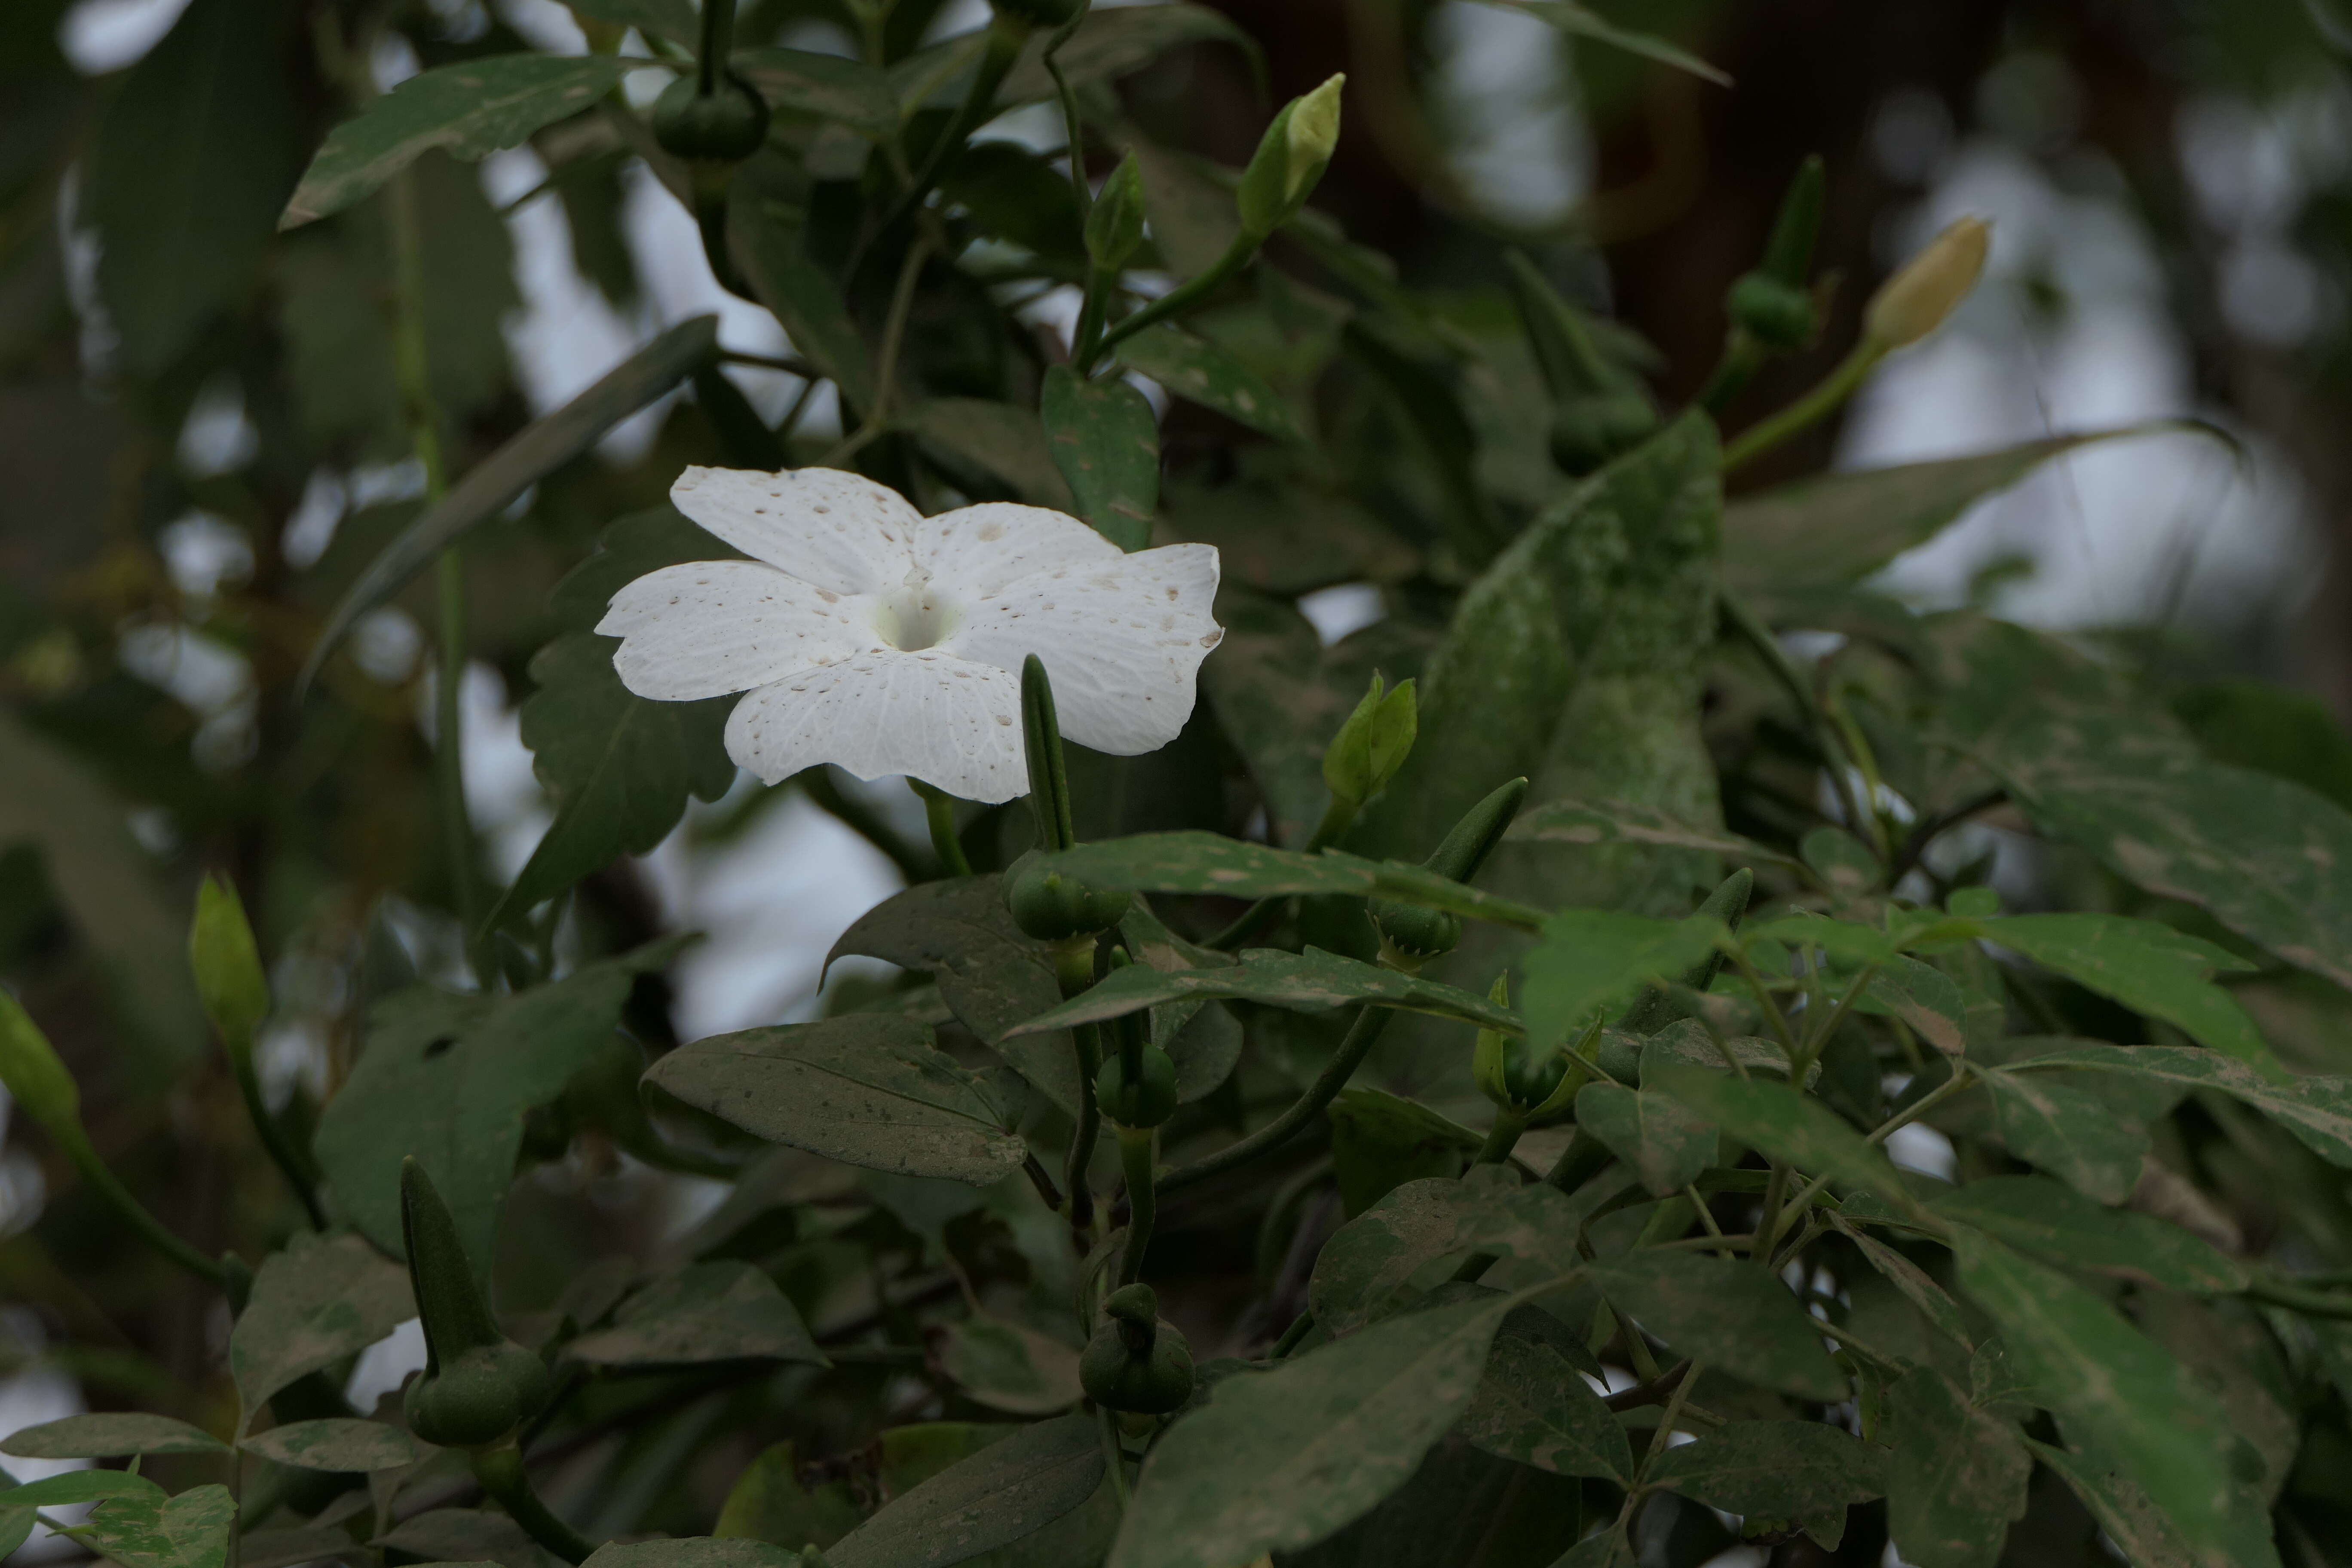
pixel 201 444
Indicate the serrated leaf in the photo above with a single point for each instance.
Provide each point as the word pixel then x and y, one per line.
pixel 1105 443
pixel 866 1089
pixel 2106 1381
pixel 1798 1470
pixel 1957 1478
pixel 109 1436
pixel 1534 1407
pixel 1661 1143
pixel 448 1077
pixel 468 109
pixel 704 1312
pixel 2146 1538
pixel 998 439
pixel 1199 372
pixel 1596 961
pixel 1280 1460
pixel 197 150
pixel 2318 1110
pixel 2074 1136
pixel 537 450
pixel 2046 1219
pixel 321 1299
pixel 338 1443
pixel 828 85
pixel 1731 1316
pixel 1313 981
pixel 1008 1490
pixel 190 1531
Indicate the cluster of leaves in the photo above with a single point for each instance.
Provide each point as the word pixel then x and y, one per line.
pixel 1460 1333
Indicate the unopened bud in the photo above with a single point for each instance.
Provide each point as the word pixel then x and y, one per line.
pixel 1488 1055
pixel 1115 225
pixel 32 1074
pixel 1290 158
pixel 1373 745
pixel 1930 287
pixel 229 978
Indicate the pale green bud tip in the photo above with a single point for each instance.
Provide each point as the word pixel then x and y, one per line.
pixel 229 977
pixel 1312 134
pixel 1930 286
pixel 29 1068
pixel 1373 744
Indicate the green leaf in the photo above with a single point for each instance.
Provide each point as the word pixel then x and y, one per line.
pixel 1578 21
pixel 1786 1125
pixel 704 1312
pixel 1593 961
pixel 1800 1470
pixel 537 450
pixel 827 86
pixel 1015 195
pixel 1199 372
pixel 338 1443
pixel 1008 1490
pixel 2140 1530
pixel 766 240
pixel 1281 1460
pixel 2267 729
pixel 1839 529
pixel 768 1503
pixel 1380 1140
pixel 693 1552
pixel 1628 822
pixel 672 19
pixel 1732 1316
pixel 1105 443
pixel 1923 997
pixel 108 1436
pixel 1197 862
pixel 1957 1478
pixel 1191 213
pixel 448 1077
pixel 1911 1281
pixel 1534 1407
pixel 2149 968
pixel 1662 1145
pixel 2318 1110
pixel 451 1535
pixel 1369 1259
pixel 1008 1367
pixel 1286 540
pixel 322 1299
pixel 190 1531
pixel 990 974
pixel 80 1486
pixel 470 111
pixel 868 1090
pixel 1311 981
pixel 2111 1387
pixel 1115 41
pixel 195 154
pixel 2057 1224
pixel 998 439
pixel 2077 1137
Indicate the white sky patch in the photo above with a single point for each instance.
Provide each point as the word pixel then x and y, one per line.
pixel 1914 1146
pixel 1507 112
pixel 1345 607
pixel 102 36
pixel 384 1366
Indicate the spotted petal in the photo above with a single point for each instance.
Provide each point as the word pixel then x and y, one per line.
pixel 709 627
pixel 1122 639
pixel 929 715
pixel 839 531
pixel 978 550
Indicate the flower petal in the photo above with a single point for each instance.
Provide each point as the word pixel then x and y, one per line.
pixel 981 549
pixel 1123 641
pixel 942 719
pixel 709 627
pixel 838 530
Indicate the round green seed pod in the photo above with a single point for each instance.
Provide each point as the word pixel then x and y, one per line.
pixel 729 124
pixel 1410 933
pixel 1149 1100
pixel 1531 1079
pixel 1136 1363
pixel 478 1397
pixel 1773 312
pixel 1051 907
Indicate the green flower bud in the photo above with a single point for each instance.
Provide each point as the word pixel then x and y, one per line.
pixel 1051 907
pixel 478 1387
pixel 1587 432
pixel 1464 849
pixel 229 978
pixel 32 1074
pixel 1775 314
pixel 1037 12
pixel 1135 1362
pixel 1115 223
pixel 1789 254
pixel 1290 158
pixel 1930 287
pixel 1144 1102
pixel 729 124
pixel 1373 745
pixel 1411 936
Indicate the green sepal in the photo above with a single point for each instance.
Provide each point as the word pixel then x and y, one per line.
pixel 727 125
pixel 1050 907
pixel 1410 934
pixel 1115 223
pixel 1774 313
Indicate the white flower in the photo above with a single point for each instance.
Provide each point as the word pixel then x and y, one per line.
pixel 871 637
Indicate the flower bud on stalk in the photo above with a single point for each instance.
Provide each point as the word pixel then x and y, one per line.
pixel 1771 303
pixel 227 963
pixel 1413 934
pixel 1290 159
pixel 1371 745
pixel 1115 223
pixel 1928 288
pixel 478 1387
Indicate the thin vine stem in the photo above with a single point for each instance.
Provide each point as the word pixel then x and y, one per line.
pixel 1362 1035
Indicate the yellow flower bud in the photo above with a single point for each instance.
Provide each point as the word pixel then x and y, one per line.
pixel 1930 287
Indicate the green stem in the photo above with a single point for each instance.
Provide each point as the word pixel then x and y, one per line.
pixel 1767 1224
pixel 1072 130
pixel 499 1470
pixel 1176 300
pixel 1135 1159
pixel 1074 970
pixel 939 813
pixel 273 1139
pixel 1743 357
pixel 1088 334
pixel 103 1181
pixel 718 34
pixel 1300 1327
pixel 1879 1134
pixel 1114 1453
pixel 1807 411
pixel 1502 1137
pixel 1758 636
pixel 1362 1035
pixel 1667 1418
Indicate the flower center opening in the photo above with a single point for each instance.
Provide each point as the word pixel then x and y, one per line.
pixel 915 617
